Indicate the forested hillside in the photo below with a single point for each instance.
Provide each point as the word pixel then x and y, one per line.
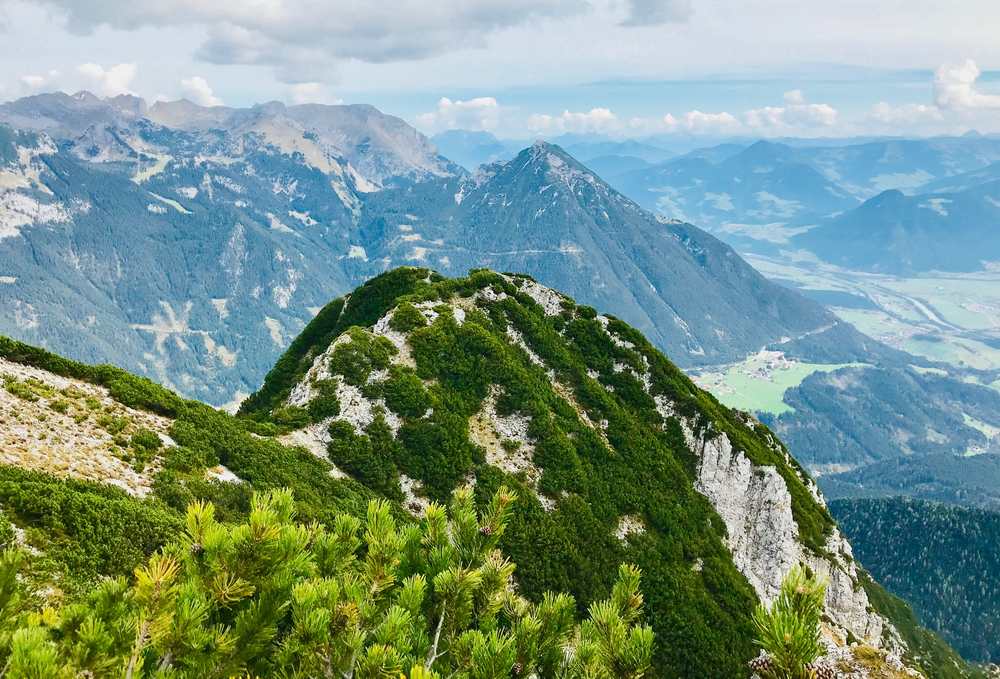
pixel 943 559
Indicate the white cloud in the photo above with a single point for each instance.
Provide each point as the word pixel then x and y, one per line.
pixel 657 12
pixel 34 82
pixel 312 93
pixel 198 90
pixel 108 82
pixel 596 120
pixel 908 114
pixel 796 113
pixel 480 113
pixel 955 88
pixel 700 122
pixel 303 38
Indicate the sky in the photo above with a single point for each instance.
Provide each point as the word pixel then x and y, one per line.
pixel 521 68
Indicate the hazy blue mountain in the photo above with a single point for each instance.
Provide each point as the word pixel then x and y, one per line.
pixel 472 148
pixel 867 169
pixel 763 184
pixel 969 480
pixel 965 181
pixel 613 165
pixel 896 233
pixel 759 197
pixel 585 147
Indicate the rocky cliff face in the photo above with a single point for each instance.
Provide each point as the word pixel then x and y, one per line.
pixel 763 536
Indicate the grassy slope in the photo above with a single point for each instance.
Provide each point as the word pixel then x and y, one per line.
pixel 88 530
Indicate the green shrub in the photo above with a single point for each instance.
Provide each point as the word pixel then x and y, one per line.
pixel 89 529
pixel 18 388
pixel 7 534
pixel 356 359
pixel 113 424
pixel 146 440
pixel 273 598
pixel 407 317
pixel 291 417
pixel 368 457
pixel 404 393
pixel 789 631
pixel 324 402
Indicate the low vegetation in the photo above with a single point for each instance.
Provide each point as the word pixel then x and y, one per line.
pixel 372 599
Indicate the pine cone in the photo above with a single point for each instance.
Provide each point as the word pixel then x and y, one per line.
pixel 486 530
pixel 196 548
pixel 517 669
pixel 822 671
pixel 760 663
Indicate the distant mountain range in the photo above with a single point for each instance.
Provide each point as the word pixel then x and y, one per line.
pixel 890 206
pixel 546 214
pixel 474 148
pixel 190 243
pixel 899 234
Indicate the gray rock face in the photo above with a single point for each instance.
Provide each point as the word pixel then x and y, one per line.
pixel 756 507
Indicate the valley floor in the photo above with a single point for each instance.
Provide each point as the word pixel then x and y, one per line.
pixel 947 317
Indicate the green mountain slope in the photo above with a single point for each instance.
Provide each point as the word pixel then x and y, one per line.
pixel 418 384
pixel 414 385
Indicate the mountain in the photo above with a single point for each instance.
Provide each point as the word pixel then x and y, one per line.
pixel 588 147
pixel 378 147
pixel 898 234
pixel 546 214
pixel 173 265
pixel 870 168
pixel 470 149
pixel 415 383
pixel 612 165
pixel 942 559
pixel 193 256
pixel 762 196
pixel 963 182
pixel 765 184
pixel 178 250
pixel 929 415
